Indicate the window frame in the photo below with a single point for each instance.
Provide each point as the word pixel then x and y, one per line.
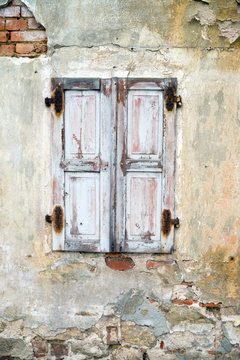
pixel 115 92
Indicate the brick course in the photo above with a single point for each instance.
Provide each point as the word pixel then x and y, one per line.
pixel 20 34
pixel 4 36
pixel 59 349
pixel 16 24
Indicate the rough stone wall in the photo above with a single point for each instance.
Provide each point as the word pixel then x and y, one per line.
pixel 57 305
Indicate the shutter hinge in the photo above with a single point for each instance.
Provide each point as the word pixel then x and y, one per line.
pixel 171 98
pixel 168 222
pixel 57 219
pixel 57 100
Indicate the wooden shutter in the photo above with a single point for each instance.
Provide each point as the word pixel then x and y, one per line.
pixel 114 165
pixel 145 174
pixel 81 165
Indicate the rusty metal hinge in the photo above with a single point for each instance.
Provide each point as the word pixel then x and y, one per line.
pixel 171 98
pixel 57 219
pixel 168 222
pixel 57 100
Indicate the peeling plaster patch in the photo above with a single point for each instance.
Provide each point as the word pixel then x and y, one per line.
pixel 147 315
pixel 185 319
pixel 232 333
pixel 230 30
pixel 205 15
pixel 15 347
pixel 67 269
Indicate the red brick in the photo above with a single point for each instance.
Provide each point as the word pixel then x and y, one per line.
pixel 24 48
pixel 210 305
pixel 7 50
pixel 25 12
pixel 162 344
pixel 187 283
pixel 10 11
pixel 40 347
pixel 30 55
pixel 2 24
pixel 4 36
pixel 154 264
pixel 182 302
pixel 32 24
pixel 215 352
pixel 41 49
pixel 38 356
pixel 15 24
pixel 28 36
pixel 119 262
pixel 59 349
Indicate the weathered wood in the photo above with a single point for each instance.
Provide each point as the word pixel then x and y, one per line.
pixel 143 156
pixel 143 208
pixel 116 146
pixel 76 84
pixel 82 206
pixel 169 158
pixel 82 124
pixel 57 127
pixel 84 144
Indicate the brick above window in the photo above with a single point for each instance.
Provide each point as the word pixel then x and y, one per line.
pixel 20 34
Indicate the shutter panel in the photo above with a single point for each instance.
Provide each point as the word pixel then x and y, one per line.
pixel 145 167
pixel 83 170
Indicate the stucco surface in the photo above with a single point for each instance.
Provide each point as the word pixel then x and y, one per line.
pixel 48 293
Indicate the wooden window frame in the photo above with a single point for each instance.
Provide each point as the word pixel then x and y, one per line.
pixel 114 97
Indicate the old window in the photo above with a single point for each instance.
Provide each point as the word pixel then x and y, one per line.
pixel 113 164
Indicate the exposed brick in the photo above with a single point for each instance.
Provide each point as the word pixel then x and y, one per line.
pixel 119 262
pixel 187 283
pixel 183 302
pixel 10 11
pixel 28 36
pixel 154 264
pixel 7 50
pixel 42 49
pixel 215 352
pixel 4 36
pixel 2 24
pixel 112 335
pixel 32 24
pixel 210 305
pixel 40 347
pixel 162 344
pixel 25 12
pixel 38 356
pixel 15 24
pixel 24 48
pixel 30 55
pixel 59 349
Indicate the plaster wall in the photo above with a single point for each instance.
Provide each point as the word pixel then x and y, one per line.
pixel 71 298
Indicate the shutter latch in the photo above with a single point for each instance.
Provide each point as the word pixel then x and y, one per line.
pixel 57 100
pixel 48 219
pixel 175 222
